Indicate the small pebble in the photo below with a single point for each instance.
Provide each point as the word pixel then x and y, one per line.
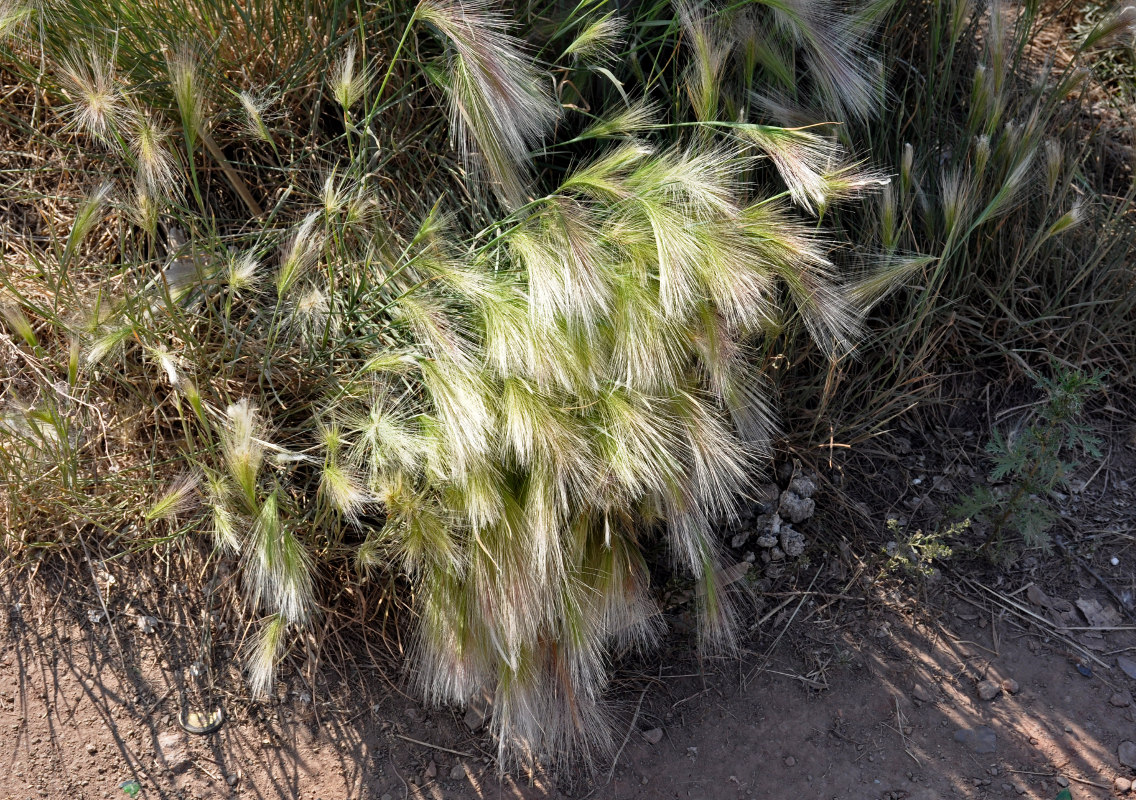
pixel 920 693
pixel 1121 699
pixel 654 736
pixel 91 749
pixel 1010 686
pixel 1062 780
pixel 232 779
pixel 988 690
pixel 1122 785
pixel 790 761
pixel 457 773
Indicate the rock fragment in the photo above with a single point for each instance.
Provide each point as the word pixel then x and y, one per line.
pixel 1126 753
pixel 988 690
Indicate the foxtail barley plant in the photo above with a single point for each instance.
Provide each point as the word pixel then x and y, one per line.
pixel 486 314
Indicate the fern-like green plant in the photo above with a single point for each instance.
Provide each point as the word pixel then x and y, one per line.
pixel 1028 464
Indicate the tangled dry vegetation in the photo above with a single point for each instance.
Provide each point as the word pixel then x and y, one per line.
pixel 474 308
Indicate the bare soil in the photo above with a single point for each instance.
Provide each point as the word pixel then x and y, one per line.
pixel 845 688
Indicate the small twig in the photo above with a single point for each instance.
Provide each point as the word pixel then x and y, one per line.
pixel 1021 610
pixel 1088 782
pixel 772 647
pixel 236 180
pixel 627 737
pixel 902 736
pixel 435 746
pixel 158 702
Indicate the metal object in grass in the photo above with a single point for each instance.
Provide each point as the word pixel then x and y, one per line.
pixel 201 723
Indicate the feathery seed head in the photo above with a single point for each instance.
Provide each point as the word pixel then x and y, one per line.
pixel 263 654
pixel 145 210
pixel 97 104
pixel 906 169
pixel 178 498
pixel 981 154
pixel 156 164
pixel 1054 164
pixel 499 105
pixel 597 43
pixel 242 443
pixel 342 490
pixel 13 17
pixel 240 274
pixel 255 107
pixel 300 254
pixel 348 82
pixel 277 565
pixel 1118 26
pixel 183 70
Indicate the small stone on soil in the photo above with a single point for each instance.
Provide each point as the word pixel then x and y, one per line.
pixel 1127 665
pixel 1126 753
pixel 1121 699
pixel 654 736
pixel 920 693
pixel 1122 785
pixel 91 749
pixel 1010 686
pixel 981 740
pixel 988 690
pixel 1062 780
pixel 790 761
pixel 431 770
pixel 232 779
pixel 457 772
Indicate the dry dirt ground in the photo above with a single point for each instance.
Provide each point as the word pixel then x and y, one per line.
pixel 867 689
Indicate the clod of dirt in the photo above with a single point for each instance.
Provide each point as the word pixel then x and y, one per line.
pixel 1126 753
pixel 792 542
pixel 981 740
pixel 1010 686
pixel 147 624
pixel 767 542
pixel 794 507
pixel 1127 665
pixel 988 690
pixel 653 736
pixel 803 486
pixel 1121 699
pixel 1122 785
pixel 920 693
pixel 766 497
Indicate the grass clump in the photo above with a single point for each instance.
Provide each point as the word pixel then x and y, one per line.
pixel 400 314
